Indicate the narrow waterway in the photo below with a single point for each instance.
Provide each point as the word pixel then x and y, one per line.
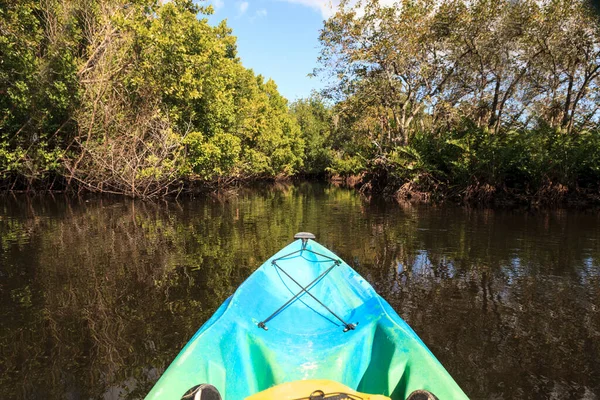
pixel 98 295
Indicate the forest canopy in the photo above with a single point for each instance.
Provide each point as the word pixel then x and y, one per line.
pixel 471 99
pixel 427 99
pixel 132 96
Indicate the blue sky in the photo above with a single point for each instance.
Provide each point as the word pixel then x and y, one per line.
pixel 277 39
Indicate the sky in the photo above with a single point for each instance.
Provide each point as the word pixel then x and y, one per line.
pixel 278 39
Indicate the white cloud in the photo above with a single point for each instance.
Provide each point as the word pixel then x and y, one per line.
pixel 217 4
pixel 242 7
pixel 328 7
pixel 325 7
pixel 259 14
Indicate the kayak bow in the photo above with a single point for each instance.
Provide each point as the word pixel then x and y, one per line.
pixel 305 314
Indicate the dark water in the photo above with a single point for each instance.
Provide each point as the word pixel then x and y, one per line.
pixel 98 296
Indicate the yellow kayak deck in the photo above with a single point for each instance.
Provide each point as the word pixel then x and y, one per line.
pixel 313 389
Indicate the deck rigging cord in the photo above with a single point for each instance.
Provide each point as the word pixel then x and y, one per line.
pixel 319 394
pixel 305 289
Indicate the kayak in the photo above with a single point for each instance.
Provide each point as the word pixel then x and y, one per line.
pixel 305 315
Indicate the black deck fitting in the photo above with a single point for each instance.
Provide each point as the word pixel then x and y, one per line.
pixel 304 236
pixel 263 326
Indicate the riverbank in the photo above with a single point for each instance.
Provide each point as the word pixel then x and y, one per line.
pixel 425 189
pixel 381 186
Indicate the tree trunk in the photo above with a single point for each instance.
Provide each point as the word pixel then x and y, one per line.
pixel 493 117
pixel 567 107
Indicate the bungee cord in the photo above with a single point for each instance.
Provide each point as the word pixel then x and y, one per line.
pixel 305 289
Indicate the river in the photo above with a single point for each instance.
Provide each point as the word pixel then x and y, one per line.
pixel 98 295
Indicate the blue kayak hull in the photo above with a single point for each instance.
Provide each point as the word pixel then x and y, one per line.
pixel 308 338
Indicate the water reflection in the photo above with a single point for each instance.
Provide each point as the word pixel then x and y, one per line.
pixel 97 296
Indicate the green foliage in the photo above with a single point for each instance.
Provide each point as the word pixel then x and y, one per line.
pixel 526 161
pixel 184 63
pixel 347 165
pixel 124 87
pixel 138 97
pixel 10 158
pixel 314 119
pixel 38 86
pixel 271 139
pixel 458 96
pixel 215 157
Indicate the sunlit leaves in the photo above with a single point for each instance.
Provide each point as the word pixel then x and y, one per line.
pixel 499 93
pixel 120 85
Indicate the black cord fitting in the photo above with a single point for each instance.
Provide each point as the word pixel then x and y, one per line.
pixel 262 325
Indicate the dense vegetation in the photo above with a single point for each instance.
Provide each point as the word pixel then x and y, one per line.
pixel 476 100
pixel 471 100
pixel 131 97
